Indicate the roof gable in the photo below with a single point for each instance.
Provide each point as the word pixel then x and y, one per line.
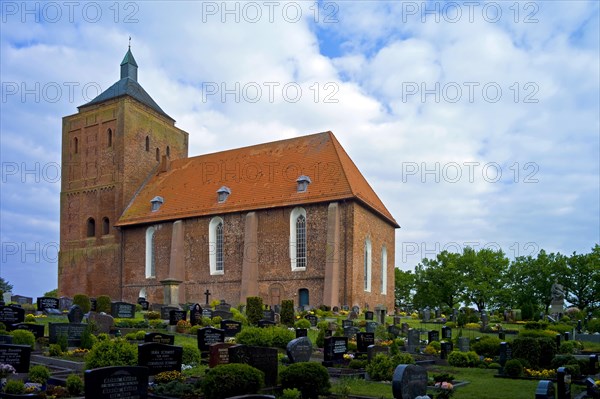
pixel 259 177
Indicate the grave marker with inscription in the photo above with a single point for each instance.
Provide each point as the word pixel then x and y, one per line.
pixel 264 359
pixel 36 329
pixel 196 314
pixel 45 302
pixel 409 381
pixel 176 315
pixel 160 357
pixel 219 354
pixel 72 331
pixel 334 350
pixel 11 315
pixel 122 310
pixel 299 350
pixel 17 356
pixel 208 336
pixel 231 327
pixel 363 340
pixel 75 314
pixel 122 382
pixel 159 338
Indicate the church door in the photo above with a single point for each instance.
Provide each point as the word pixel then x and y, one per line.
pixel 302 297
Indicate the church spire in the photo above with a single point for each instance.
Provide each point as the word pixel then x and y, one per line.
pixel 128 66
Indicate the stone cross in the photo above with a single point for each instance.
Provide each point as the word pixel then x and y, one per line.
pixel 207 293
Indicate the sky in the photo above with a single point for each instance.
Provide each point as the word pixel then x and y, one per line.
pixel 476 122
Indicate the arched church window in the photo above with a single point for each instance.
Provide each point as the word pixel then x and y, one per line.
pixel 91 227
pixel 298 256
pixel 216 246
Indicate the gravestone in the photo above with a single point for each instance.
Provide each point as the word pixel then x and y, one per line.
pixel 355 309
pixel 65 303
pixel 222 310
pixel 433 336
pixel 446 333
pixel 122 310
pixel 380 312
pixel 505 353
pixel 21 300
pixel 160 357
pixel 445 349
pixel 73 332
pixel 397 320
pixel 218 354
pixel 413 341
pixel 208 313
pixel 44 303
pixel 335 309
pixel 567 336
pixel 374 350
pixel 371 326
pixel 123 382
pixel 334 350
pixel 438 313
pixel 196 314
pixel 299 350
pixel 347 323
pixel 463 344
pixel 269 315
pixel 6 339
pixel 264 359
pixel 36 329
pixel 426 315
pixel 394 331
pixel 266 323
pixel 11 315
pixel 484 318
pixel 545 390
pixel 593 365
pixel 93 304
pixel 104 322
pixel 159 338
pixel 501 335
pixel 17 356
pixel 301 332
pixel 312 319
pixel 563 383
pixel 165 312
pixel 405 328
pixel 363 340
pixel 368 315
pixel 353 315
pixel 145 305
pixel 231 327
pixel 208 336
pixel 350 332
pixel 176 315
pixel 454 315
pixel 75 314
pixel 409 381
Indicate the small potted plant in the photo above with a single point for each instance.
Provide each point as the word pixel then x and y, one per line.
pixel 15 389
pixel 5 371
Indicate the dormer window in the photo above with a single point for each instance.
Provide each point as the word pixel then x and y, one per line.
pixel 303 182
pixel 223 193
pixel 156 203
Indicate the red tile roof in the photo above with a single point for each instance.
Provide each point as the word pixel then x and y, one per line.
pixel 260 177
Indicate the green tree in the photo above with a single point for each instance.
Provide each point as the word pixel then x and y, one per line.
pixel 52 294
pixel 581 279
pixel 5 286
pixel 485 274
pixel 531 278
pixel 404 286
pixel 439 281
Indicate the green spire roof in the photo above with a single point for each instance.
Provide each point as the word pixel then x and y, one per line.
pixel 128 59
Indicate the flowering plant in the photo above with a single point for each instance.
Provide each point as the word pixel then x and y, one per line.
pixel 6 369
pixel 446 390
pixel 348 356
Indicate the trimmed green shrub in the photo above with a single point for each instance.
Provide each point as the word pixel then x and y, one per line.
pixel 30 318
pixel 256 336
pixel 513 368
pixel 63 342
pixel 103 304
pixel 232 379
pixel 494 366
pixel 140 335
pixel 191 354
pixel 537 333
pixel 23 337
pixel 562 360
pixel 74 385
pixel 152 315
pixel 547 351
pixel 83 301
pixel 381 368
pixel 458 359
pixel 54 350
pixel 87 338
pixel 593 325
pixel 570 347
pixel 310 378
pixel 116 352
pixel 402 358
pixel 358 364
pixel 39 374
pixel 281 337
pixel 473 359
pixel 287 312
pixel 488 346
pixel 527 348
pixel 15 387
pixel 291 394
pixel 254 309
pixel 302 323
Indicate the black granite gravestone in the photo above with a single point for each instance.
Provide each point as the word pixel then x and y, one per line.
pixel 264 359
pixel 347 323
pixel 176 315
pixel 363 340
pixel 160 357
pixel 374 350
pixel 301 332
pixel 231 327
pixel 122 310
pixel 11 315
pixel 75 314
pixel 433 336
pixel 93 304
pixel 44 303
pixel 208 336
pixel 72 331
pixel 165 312
pixel 196 314
pixel 17 356
pixel 334 350
pixel 266 323
pixel 368 315
pixel 123 382
pixel 36 329
pixel 299 350
pixel 409 381
pixel 312 319
pixel 545 390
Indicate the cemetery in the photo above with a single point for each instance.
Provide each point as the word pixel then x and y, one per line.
pixel 98 348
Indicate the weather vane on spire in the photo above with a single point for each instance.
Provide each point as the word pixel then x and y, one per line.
pixel 130 42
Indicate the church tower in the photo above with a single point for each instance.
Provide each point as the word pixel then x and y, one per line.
pixel 110 148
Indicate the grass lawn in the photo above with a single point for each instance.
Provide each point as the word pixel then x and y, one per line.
pixel 482 385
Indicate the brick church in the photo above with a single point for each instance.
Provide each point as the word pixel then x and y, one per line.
pixel 291 219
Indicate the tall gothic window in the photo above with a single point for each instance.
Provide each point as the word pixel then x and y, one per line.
pixel 75 145
pixel 109 137
pixel 150 264
pixel 216 246
pixel 298 256
pixel 147 143
pixel 367 265
pixel 105 226
pixel 91 227
pixel 384 270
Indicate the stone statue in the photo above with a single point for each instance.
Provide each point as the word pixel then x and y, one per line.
pixel 558 293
